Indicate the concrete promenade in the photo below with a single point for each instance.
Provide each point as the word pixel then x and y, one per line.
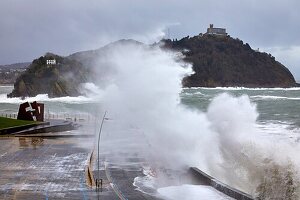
pixel 53 165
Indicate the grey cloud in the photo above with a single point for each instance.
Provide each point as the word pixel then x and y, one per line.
pixel 32 27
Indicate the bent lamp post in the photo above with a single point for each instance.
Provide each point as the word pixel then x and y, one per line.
pixel 100 180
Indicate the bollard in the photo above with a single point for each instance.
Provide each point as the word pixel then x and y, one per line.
pixel 99 184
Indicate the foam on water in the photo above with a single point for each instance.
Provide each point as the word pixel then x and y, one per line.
pixel 274 97
pixel 244 88
pixel 148 183
pixel 45 98
pixel 91 91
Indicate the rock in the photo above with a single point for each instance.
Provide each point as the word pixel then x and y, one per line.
pixel 60 79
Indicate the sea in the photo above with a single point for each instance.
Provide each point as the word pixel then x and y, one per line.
pixel 277 106
pixel 62 107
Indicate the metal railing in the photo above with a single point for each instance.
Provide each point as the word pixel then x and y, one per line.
pixel 80 117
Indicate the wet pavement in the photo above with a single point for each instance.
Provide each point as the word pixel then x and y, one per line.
pixel 53 165
pixel 37 168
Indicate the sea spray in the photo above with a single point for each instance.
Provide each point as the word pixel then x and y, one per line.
pixel 248 160
pixel 279 182
pixel 144 92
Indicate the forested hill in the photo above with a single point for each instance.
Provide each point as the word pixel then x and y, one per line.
pixel 221 61
pixel 61 79
pixel 218 61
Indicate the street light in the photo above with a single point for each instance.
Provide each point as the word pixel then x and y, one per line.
pixel 99 180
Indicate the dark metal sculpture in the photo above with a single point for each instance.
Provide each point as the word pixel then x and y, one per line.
pixel 31 111
pixel 38 111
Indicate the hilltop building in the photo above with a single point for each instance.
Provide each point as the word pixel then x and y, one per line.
pixel 216 31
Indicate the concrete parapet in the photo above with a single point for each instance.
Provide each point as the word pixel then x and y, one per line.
pixel 206 179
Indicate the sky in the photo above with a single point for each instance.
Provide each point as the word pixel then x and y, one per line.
pixel 30 28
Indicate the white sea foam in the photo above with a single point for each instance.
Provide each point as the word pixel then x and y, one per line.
pixel 274 97
pixel 45 98
pixel 277 131
pixel 242 88
pixel 192 93
pixel 91 91
pixel 146 184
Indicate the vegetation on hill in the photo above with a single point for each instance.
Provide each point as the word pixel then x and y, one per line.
pixel 221 61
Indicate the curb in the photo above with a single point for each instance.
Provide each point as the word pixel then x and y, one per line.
pixel 46 128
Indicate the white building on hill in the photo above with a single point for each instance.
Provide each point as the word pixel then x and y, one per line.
pixel 51 62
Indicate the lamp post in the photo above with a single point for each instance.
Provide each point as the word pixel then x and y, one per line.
pixel 99 179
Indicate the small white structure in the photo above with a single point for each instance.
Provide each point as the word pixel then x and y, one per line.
pixel 51 62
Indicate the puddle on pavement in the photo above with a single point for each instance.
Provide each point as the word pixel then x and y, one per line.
pixel 33 142
pixel 13 144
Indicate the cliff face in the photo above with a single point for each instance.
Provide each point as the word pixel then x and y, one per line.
pixel 61 79
pixel 221 61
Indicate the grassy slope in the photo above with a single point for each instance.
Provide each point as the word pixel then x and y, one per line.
pixel 7 123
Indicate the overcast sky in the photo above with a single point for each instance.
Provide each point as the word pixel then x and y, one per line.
pixel 30 28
